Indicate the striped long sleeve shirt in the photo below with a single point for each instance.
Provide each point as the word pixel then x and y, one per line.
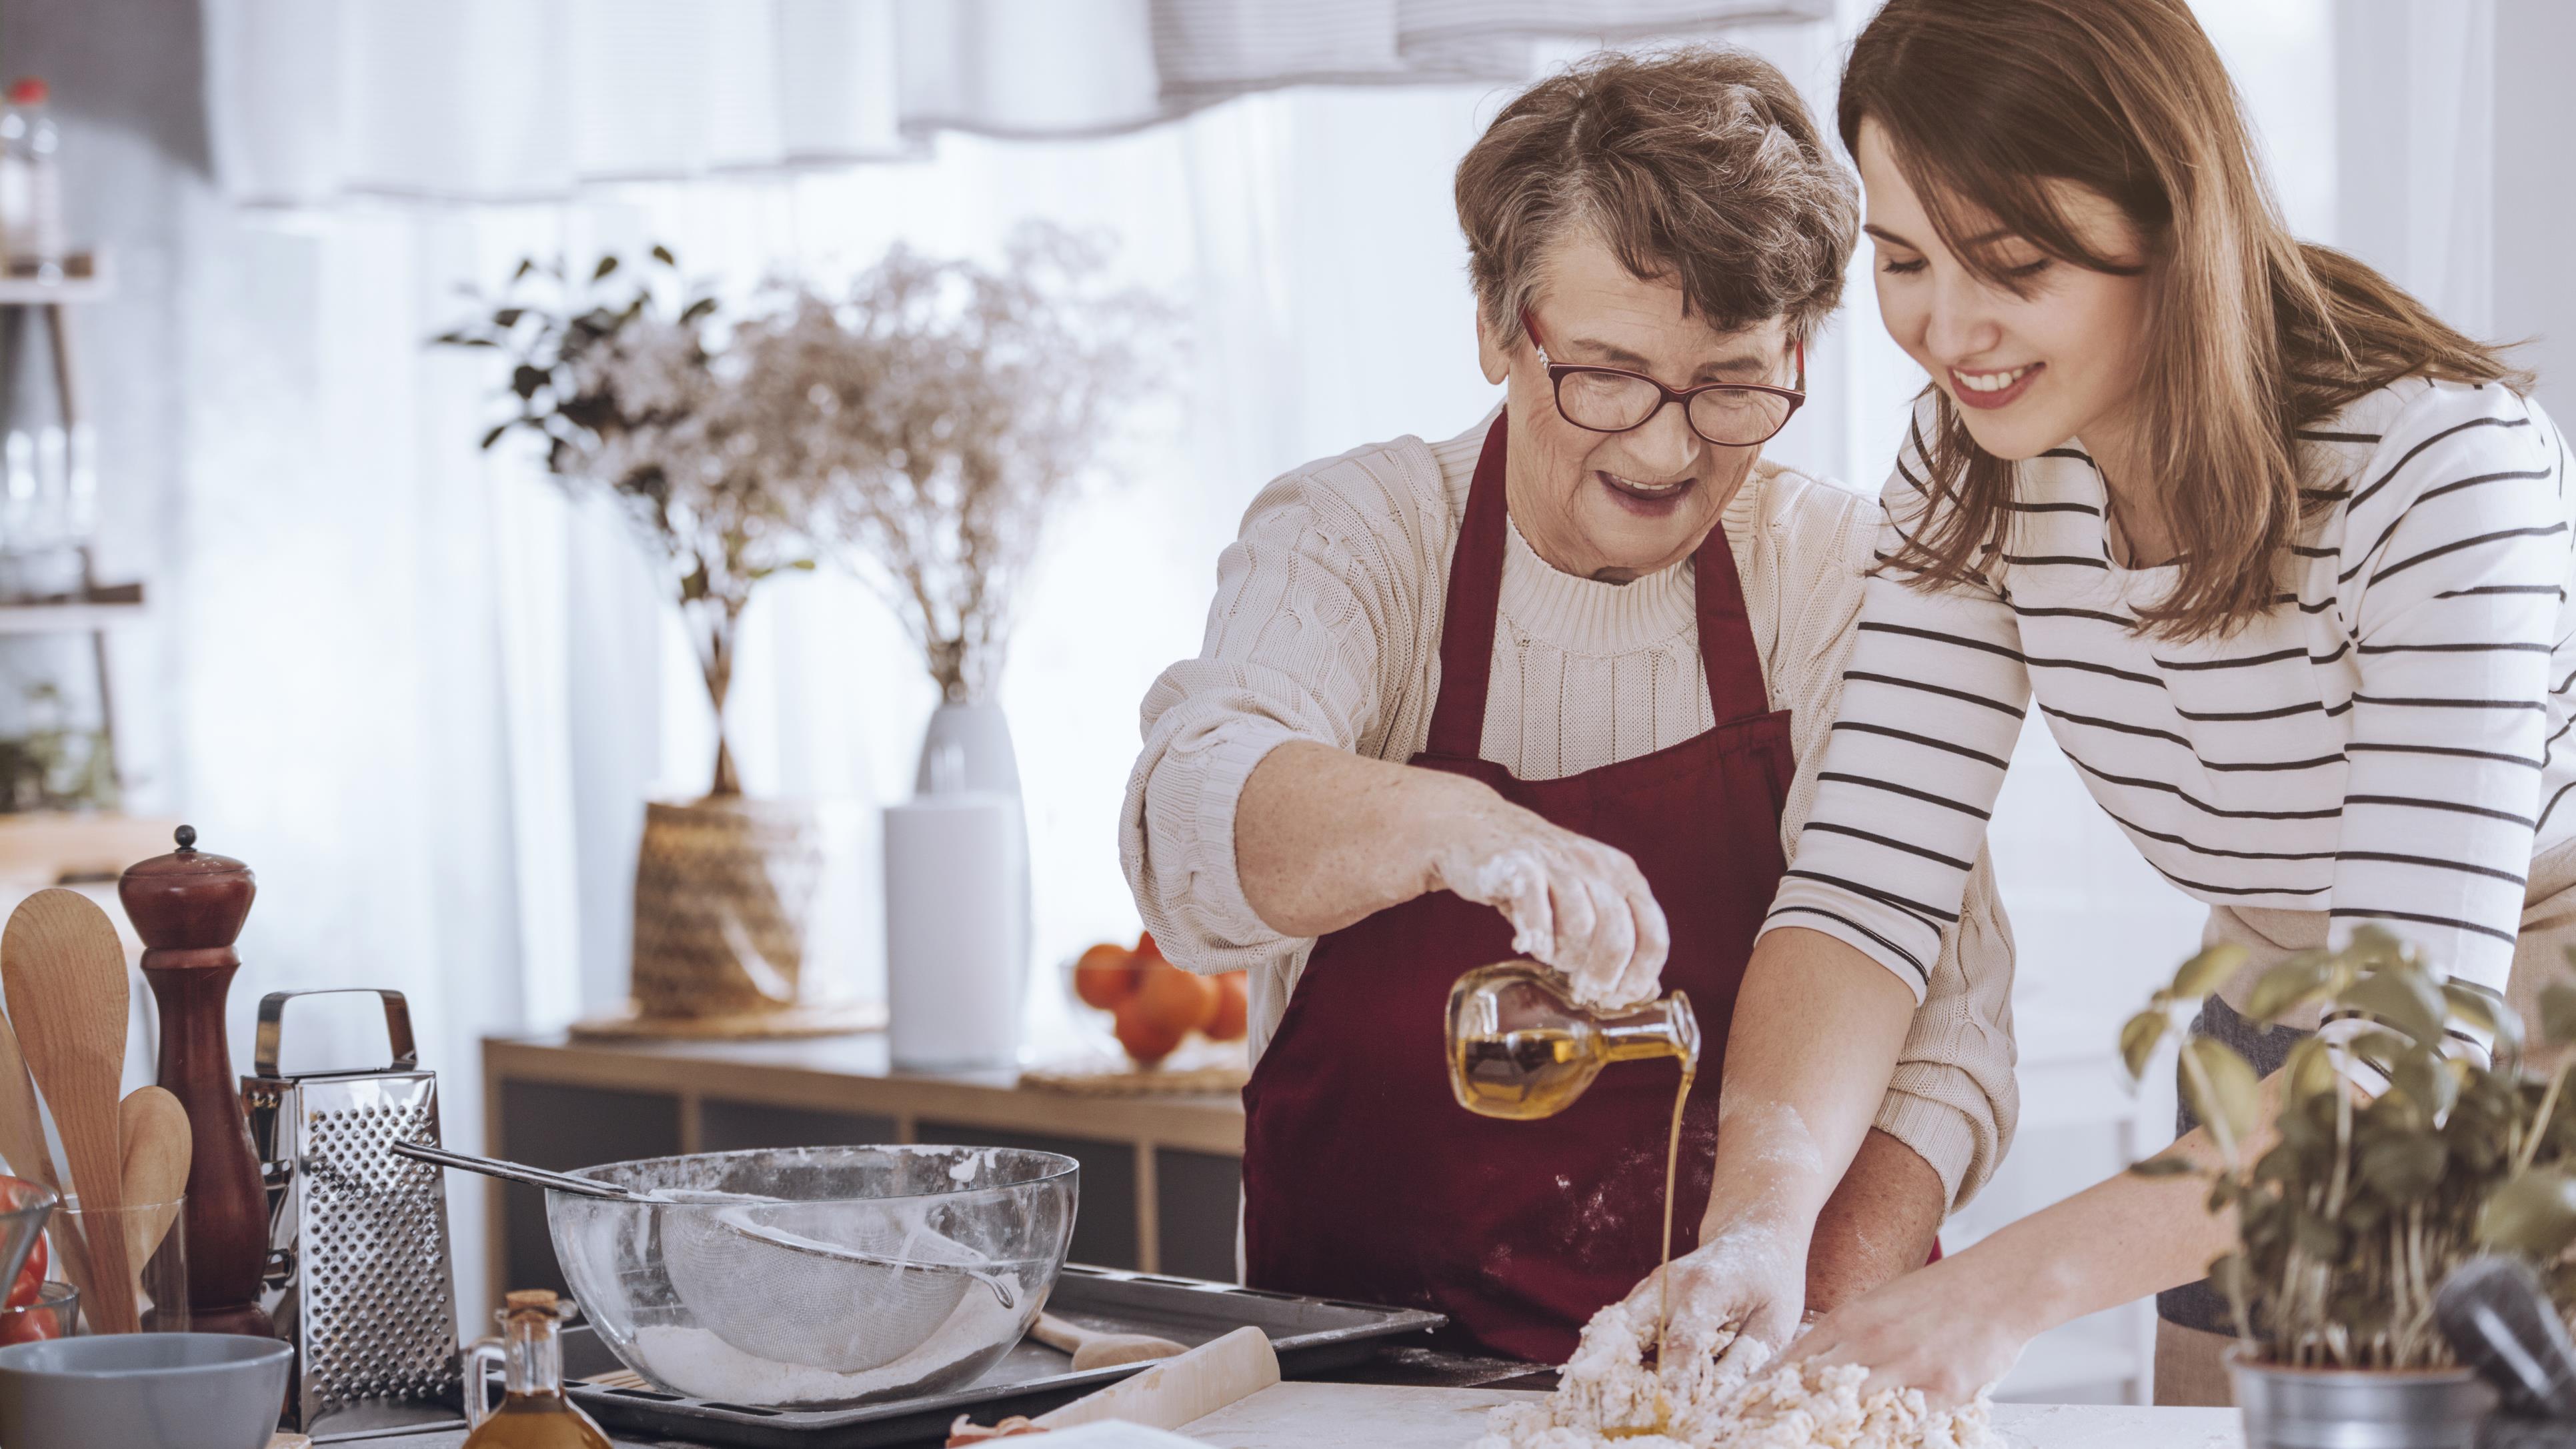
pixel 2389 743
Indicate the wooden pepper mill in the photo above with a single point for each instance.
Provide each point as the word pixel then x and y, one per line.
pixel 188 907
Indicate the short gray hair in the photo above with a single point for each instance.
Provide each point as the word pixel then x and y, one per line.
pixel 1698 164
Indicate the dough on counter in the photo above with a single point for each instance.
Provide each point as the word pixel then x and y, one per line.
pixel 1607 1396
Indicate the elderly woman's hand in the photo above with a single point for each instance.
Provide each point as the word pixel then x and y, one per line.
pixel 1574 903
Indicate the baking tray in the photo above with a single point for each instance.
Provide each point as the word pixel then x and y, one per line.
pixel 1311 1336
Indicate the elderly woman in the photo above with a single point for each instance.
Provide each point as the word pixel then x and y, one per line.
pixel 1557 686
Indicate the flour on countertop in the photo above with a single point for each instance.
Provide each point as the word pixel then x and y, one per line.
pixel 1607 1396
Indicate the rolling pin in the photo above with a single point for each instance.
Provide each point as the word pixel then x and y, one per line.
pixel 1168 1395
pixel 1094 1350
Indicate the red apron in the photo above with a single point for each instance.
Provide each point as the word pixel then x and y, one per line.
pixel 1362 1177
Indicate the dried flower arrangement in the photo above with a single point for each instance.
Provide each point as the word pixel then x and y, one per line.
pixel 937 412
pixel 2392 1161
pixel 634 403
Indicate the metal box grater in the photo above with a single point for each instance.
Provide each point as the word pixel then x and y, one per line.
pixel 358 1273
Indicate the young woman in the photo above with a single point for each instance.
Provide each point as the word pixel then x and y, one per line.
pixel 2281 558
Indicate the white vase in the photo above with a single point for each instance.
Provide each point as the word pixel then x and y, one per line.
pixel 976 739
pixel 956 967
pixel 966 750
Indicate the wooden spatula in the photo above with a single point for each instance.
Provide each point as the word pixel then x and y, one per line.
pixel 157 1149
pixel 22 1144
pixel 64 972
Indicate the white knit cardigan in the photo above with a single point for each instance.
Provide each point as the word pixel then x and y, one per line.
pixel 1326 627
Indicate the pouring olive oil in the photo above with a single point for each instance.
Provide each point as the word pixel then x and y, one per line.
pixel 1521 1049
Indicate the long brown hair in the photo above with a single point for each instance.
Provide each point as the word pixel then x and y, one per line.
pixel 2255 334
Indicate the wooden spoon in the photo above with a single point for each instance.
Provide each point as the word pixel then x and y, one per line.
pixel 157 1150
pixel 1092 1349
pixel 64 971
pixel 22 1145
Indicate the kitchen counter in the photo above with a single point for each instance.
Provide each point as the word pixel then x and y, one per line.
pixel 1371 1416
pixel 1420 1398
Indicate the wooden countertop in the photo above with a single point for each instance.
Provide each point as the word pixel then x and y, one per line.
pixel 853 1074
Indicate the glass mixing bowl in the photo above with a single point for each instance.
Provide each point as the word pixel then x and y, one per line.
pixel 818 1275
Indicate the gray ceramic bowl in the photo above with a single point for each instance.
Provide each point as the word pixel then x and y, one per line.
pixel 142 1391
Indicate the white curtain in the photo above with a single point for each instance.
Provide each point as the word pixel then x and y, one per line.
pixel 515 100
pixel 2417 126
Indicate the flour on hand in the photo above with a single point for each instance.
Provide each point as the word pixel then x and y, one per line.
pixel 1515 883
pixel 1608 1396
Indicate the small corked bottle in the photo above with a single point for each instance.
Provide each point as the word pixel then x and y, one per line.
pixel 188 906
pixel 535 1413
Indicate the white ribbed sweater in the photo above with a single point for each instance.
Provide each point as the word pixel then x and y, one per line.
pixel 1326 627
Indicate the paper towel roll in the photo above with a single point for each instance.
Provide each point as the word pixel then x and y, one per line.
pixel 956 976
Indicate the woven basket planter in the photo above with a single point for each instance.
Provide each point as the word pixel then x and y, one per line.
pixel 724 895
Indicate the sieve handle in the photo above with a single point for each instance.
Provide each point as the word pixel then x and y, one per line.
pixel 514 1172
pixel 272 1026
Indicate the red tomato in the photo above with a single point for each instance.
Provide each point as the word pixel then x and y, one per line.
pixel 16 1192
pixel 29 1327
pixel 30 1280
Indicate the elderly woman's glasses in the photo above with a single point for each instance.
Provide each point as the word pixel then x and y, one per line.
pixel 1614 400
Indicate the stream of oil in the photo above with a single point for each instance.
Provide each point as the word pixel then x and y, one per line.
pixel 1533 1073
pixel 1664 1275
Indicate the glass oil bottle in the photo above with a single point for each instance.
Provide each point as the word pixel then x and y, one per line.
pixel 1519 1047
pixel 536 1413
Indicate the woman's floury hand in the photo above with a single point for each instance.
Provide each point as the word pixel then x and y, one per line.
pixel 1940 1329
pixel 1746 1284
pixel 1574 903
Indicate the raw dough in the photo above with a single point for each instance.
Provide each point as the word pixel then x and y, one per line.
pixel 1737 1402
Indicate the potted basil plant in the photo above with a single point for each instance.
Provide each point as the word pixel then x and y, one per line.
pixel 2361 1174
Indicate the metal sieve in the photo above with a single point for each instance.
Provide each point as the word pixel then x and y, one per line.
pixel 793 1282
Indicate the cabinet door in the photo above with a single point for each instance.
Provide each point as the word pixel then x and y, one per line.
pixel 561 1128
pixel 1104 1221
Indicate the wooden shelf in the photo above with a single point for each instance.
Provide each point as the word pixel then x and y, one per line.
pixel 90 280
pixel 69 618
pixel 46 847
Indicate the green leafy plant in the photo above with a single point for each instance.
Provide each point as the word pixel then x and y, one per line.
pixel 55 765
pixel 628 381
pixel 2379 1157
pixel 918 428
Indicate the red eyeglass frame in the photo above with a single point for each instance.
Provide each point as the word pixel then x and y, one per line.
pixel 1557 372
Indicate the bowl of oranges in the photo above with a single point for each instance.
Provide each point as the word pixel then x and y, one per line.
pixel 1155 1007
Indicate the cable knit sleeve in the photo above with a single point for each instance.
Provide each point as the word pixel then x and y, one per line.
pixel 1312 605
pixel 1953 1097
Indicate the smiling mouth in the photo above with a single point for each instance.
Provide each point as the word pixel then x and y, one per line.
pixel 1653 496
pixel 1993 389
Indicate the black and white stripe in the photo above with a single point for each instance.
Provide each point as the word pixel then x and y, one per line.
pixel 2390 743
